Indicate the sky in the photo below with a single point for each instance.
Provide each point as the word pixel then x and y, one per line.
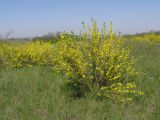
pixel 29 18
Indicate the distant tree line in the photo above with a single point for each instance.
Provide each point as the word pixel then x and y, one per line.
pixel 150 32
pixel 54 37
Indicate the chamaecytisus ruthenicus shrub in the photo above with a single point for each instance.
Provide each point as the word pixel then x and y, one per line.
pixel 97 61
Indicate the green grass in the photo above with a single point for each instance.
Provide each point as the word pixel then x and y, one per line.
pixel 36 94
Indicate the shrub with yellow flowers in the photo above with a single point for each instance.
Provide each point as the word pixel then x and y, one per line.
pixel 27 54
pixel 149 39
pixel 96 61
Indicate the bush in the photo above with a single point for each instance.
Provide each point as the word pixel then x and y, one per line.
pixel 27 54
pixel 95 62
pixel 148 39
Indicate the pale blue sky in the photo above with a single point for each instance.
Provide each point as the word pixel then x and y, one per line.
pixel 37 17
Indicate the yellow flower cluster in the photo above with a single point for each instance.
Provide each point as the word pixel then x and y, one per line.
pixel 149 38
pixel 27 54
pixel 124 93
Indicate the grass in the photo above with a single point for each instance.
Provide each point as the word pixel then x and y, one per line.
pixel 36 94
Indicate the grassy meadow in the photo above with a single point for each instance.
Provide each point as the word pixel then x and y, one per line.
pixel 60 61
pixel 37 93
